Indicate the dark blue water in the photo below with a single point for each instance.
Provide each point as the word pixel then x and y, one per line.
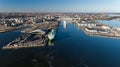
pixel 72 48
pixel 78 48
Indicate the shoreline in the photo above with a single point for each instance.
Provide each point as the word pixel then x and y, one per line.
pixel 17 47
pixel 12 29
pixel 40 42
pixel 97 35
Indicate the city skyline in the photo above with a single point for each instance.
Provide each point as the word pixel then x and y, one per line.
pixel 90 6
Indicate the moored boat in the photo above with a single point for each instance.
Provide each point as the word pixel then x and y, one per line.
pixel 51 34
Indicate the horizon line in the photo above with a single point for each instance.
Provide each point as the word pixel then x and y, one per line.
pixel 59 12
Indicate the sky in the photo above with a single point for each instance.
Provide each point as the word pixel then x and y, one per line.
pixel 60 6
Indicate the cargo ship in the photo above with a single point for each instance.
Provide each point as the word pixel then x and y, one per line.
pixel 51 34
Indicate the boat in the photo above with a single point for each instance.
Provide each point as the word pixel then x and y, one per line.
pixel 64 24
pixel 51 34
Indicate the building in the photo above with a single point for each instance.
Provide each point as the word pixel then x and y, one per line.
pixel 87 24
pixel 91 30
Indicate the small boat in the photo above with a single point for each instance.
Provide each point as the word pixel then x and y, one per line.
pixel 51 34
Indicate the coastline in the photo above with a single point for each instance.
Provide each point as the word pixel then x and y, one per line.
pixel 98 35
pixel 17 47
pixel 41 41
pixel 11 29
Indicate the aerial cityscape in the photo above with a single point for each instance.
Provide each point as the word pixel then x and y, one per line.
pixel 59 33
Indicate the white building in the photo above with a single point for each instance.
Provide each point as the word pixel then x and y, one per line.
pixel 92 30
pixel 87 24
pixel 105 27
